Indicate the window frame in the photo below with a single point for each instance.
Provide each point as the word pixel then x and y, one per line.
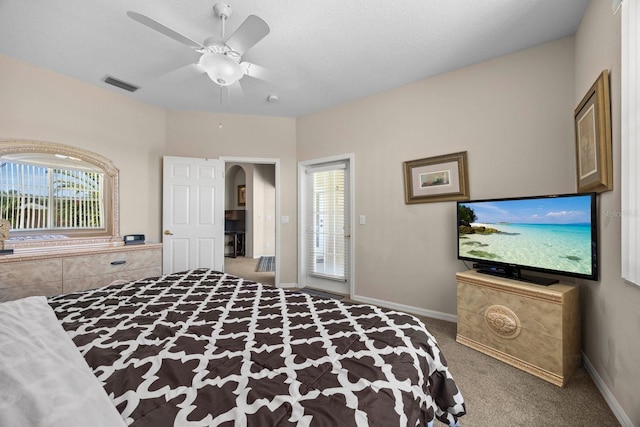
pixel 108 235
pixel 630 152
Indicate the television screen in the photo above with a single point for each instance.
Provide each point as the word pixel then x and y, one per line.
pixel 550 234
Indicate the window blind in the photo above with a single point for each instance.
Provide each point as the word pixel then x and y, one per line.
pixel 43 198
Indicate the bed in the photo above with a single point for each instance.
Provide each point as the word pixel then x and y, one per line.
pixel 204 348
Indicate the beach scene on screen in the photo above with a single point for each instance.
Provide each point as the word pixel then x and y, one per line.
pixel 547 233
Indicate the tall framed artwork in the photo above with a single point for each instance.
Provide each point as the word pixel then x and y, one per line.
pixel 594 168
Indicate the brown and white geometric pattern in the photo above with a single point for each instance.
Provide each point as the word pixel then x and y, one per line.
pixel 203 348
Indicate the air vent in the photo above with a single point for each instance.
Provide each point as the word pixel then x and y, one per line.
pixel 119 83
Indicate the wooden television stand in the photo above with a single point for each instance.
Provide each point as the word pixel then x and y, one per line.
pixel 534 328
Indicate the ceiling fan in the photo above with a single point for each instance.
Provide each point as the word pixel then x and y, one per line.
pixel 222 59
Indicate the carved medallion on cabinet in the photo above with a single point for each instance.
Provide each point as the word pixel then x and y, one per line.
pixel 502 321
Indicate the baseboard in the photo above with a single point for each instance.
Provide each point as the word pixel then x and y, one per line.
pixel 606 393
pixel 407 308
pixel 288 285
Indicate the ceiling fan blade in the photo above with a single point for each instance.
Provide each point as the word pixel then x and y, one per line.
pixel 181 74
pixel 155 25
pixel 262 73
pixel 252 30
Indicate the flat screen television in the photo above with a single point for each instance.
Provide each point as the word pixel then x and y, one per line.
pixel 549 234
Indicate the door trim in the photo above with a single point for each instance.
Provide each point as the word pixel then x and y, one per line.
pixel 276 163
pixel 302 166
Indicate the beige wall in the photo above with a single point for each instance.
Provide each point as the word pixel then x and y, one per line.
pixel 192 134
pixel 264 196
pixel 513 115
pixel 611 314
pixel 45 106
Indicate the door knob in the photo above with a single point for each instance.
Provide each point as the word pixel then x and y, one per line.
pixel 168 233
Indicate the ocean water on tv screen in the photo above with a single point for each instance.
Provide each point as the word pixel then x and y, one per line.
pixel 565 247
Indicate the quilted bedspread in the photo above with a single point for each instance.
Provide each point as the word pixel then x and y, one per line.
pixel 204 348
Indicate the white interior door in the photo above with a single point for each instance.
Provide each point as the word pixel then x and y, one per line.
pixel 192 214
pixel 325 224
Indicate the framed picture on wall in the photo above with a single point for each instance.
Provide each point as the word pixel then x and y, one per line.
pixel 436 179
pixel 594 168
pixel 242 195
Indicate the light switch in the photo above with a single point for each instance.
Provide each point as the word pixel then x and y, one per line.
pixel 284 219
pixel 363 220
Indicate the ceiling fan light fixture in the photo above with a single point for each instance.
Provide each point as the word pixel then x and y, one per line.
pixel 220 56
pixel 222 69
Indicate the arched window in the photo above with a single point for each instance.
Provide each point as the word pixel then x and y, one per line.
pixel 57 195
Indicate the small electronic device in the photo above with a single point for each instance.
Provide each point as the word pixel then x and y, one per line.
pixel 133 239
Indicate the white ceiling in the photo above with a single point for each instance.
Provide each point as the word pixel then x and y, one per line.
pixel 337 51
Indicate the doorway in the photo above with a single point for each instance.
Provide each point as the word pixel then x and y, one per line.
pixel 325 216
pixel 251 210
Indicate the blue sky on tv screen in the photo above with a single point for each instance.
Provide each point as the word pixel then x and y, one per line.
pixel 554 210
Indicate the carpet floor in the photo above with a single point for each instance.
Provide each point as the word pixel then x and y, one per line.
pixel 246 268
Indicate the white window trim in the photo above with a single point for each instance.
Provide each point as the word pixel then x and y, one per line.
pixel 630 153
